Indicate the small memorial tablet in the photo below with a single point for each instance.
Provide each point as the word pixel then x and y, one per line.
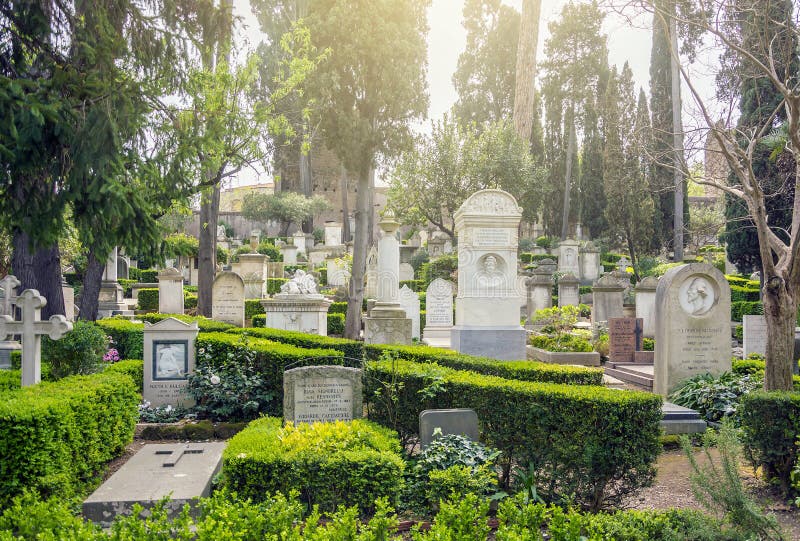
pixel 313 394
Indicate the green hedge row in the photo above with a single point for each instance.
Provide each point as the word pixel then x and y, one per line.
pixel 127 337
pixel 414 285
pixel 204 324
pixel 10 379
pixel 336 324
pixel 742 293
pixel 133 368
pixel 517 370
pixel 745 308
pixel 771 424
pixel 270 358
pixel 337 308
pixel 148 299
pixel 252 307
pixel 329 464
pixel 54 437
pixel 587 444
pixel 350 348
pixel 147 276
pixel 274 285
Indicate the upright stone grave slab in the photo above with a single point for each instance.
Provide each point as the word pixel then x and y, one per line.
pixel 314 394
pixel 488 302
pixel 69 300
pixel 438 313
pixel 754 334
pixel 442 422
pixel 371 276
pixel 568 260
pixel 645 292
pixel 110 299
pixel 693 307
pixel 624 339
pixel 227 298
pixel 409 300
pixel 540 288
pixel 590 263
pixel 406 272
pixel 568 290
pixel 289 253
pixel 169 358
pixel 32 328
pixel 8 297
pixel 333 234
pixel 170 291
pixel 606 298
pixel 338 275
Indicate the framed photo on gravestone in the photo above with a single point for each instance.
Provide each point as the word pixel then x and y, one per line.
pixel 170 359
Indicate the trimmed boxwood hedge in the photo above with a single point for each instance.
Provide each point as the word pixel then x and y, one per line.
pixel 128 337
pixel 55 437
pixel 270 358
pixel 588 444
pixel 131 367
pixel 148 298
pixel 350 348
pixel 204 324
pixel 771 424
pixel 252 307
pixel 741 293
pixel 10 379
pixel 336 324
pixel 337 308
pixel 330 464
pixel 148 276
pixel 745 308
pixel 274 285
pixel 518 370
pixel 413 285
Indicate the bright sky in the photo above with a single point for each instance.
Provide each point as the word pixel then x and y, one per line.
pixel 447 40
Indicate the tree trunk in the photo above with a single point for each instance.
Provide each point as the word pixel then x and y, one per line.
pixel 90 292
pixel 780 312
pixel 355 296
pixel 524 93
pixel 207 250
pixel 39 269
pixel 677 144
pixel 568 175
pixel 347 235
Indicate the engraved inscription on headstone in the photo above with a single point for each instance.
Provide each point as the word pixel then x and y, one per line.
pixel 491 237
pixel 624 338
pixel 314 394
pixel 755 335
pixel 227 298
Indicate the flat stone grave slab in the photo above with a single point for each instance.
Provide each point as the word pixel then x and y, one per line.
pixel 680 420
pixel 460 421
pixel 178 470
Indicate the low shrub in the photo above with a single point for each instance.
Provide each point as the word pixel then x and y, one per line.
pixel 738 333
pixel 148 299
pixel 270 250
pixel 329 464
pixel 126 287
pixel 590 445
pixel 148 276
pixel 252 307
pixel 450 465
pixel 441 267
pixel 134 368
pixel 274 285
pixel 79 352
pixel 413 285
pixel 127 337
pixel 648 344
pixel 517 370
pixel 204 324
pixel 748 366
pixel 10 379
pixel 715 398
pixel 352 349
pixel 562 343
pixel 220 353
pixel 337 308
pixel 336 324
pixel 771 425
pixel 54 437
pixel 189 300
pixel 743 293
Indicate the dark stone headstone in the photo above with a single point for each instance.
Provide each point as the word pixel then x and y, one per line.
pixel 624 338
pixel 463 422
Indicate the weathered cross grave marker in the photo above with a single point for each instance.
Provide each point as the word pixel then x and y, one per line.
pixel 32 328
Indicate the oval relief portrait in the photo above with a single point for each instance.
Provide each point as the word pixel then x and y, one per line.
pixel 697 295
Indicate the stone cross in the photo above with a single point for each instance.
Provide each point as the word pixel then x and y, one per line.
pixel 9 284
pixel 32 328
pixel 622 264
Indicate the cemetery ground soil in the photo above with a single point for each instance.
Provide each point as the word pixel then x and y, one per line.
pixel 672 488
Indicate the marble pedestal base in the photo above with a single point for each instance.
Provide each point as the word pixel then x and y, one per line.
pixel 438 337
pixel 387 324
pixel 110 299
pixel 506 343
pixel 304 313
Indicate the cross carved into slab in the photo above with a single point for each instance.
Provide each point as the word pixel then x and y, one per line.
pixel 32 328
pixel 9 285
pixel 175 456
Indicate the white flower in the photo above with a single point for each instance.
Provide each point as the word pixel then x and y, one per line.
pixel 201 351
pixel 214 379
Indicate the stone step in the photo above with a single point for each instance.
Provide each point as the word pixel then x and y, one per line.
pixel 613 383
pixel 680 420
pixel 629 375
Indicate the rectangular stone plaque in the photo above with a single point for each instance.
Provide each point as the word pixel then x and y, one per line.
pixel 624 338
pixel 314 394
pixel 755 335
pixel 491 236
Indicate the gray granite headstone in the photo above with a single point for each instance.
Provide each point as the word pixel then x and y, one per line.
pixel 754 334
pixel 180 471
pixel 314 394
pixel 463 422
